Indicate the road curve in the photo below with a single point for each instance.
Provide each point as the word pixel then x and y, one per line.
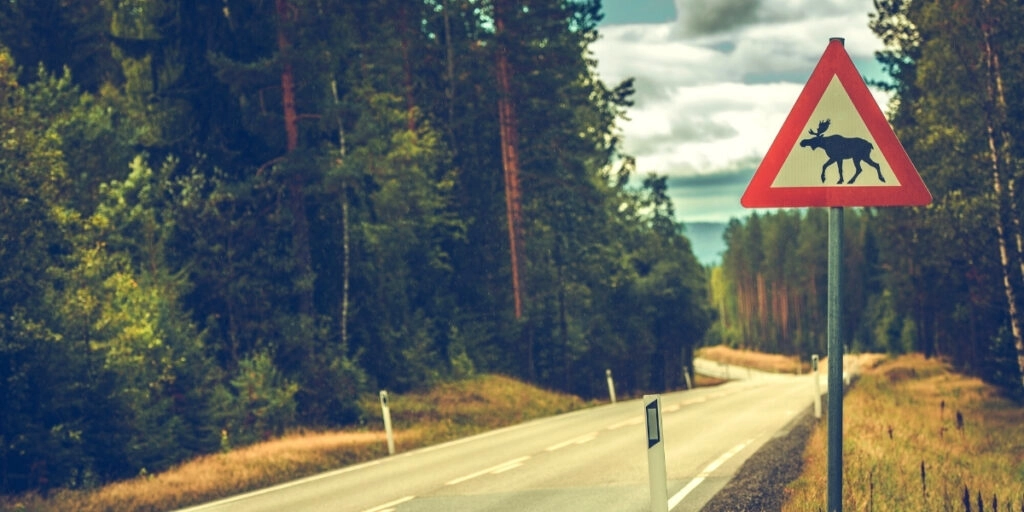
pixel 593 459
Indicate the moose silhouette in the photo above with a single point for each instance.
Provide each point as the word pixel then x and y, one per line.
pixel 839 148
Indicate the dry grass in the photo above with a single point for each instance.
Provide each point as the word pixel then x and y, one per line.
pixel 757 360
pixel 450 411
pixel 917 436
pixel 218 475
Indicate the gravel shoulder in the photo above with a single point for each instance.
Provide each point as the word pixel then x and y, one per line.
pixel 761 481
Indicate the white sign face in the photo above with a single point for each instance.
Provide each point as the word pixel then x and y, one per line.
pixel 803 166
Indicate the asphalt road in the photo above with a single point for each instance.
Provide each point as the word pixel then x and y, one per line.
pixel 588 460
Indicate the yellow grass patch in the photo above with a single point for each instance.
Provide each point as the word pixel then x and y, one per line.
pixel 757 360
pixel 916 436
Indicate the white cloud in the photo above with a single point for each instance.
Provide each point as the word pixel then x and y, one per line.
pixel 714 87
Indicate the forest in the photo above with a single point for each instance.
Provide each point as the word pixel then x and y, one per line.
pixel 223 219
pixel 945 280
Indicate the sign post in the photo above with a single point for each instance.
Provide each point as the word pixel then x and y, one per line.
pixel 835 360
pixel 846 124
pixel 656 454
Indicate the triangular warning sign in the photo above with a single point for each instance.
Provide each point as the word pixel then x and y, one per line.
pixel 835 148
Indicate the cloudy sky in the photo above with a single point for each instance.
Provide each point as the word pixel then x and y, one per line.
pixel 715 80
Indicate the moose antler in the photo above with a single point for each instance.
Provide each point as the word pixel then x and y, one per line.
pixel 822 126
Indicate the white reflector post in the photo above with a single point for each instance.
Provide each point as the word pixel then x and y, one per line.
pixel 656 453
pixel 611 385
pixel 386 412
pixel 817 386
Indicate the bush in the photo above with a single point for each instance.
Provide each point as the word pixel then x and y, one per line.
pixel 262 403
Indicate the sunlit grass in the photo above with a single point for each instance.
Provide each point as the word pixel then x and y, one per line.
pixel 917 436
pixel 775 363
pixel 456 409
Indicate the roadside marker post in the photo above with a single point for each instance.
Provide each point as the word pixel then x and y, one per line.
pixel 656 454
pixel 817 387
pixel 386 412
pixel 611 384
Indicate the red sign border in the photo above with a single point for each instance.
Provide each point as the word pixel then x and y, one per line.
pixel 836 62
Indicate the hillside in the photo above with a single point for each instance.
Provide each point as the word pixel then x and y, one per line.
pixel 706 238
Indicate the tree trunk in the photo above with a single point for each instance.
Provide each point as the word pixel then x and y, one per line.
pixel 1001 108
pixel 296 186
pixel 510 162
pixel 346 267
pixel 345 240
pixel 449 87
pixel 410 101
pixel 993 84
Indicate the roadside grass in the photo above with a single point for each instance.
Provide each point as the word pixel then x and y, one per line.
pixel 918 436
pixel 448 411
pixel 774 363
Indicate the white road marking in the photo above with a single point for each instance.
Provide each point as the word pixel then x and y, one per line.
pixel 390 506
pixel 500 468
pixel 678 498
pixel 632 421
pixel 579 440
pixel 464 440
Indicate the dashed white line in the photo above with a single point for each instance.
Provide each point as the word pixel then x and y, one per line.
pixel 390 506
pixel 578 440
pixel 678 497
pixel 500 468
pixel 632 421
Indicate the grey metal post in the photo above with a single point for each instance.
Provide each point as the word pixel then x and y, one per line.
pixel 835 360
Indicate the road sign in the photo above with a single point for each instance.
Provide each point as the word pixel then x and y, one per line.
pixel 835 148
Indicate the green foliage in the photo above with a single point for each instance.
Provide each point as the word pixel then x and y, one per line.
pixel 122 300
pixel 261 404
pixel 958 261
pixel 41 442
